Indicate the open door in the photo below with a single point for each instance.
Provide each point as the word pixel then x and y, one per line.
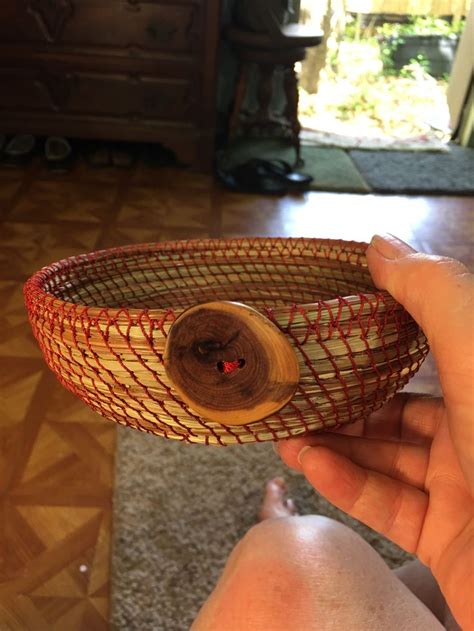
pixel 460 92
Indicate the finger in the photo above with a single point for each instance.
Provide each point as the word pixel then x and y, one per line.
pixel 408 417
pixel 400 461
pixel 439 294
pixel 392 508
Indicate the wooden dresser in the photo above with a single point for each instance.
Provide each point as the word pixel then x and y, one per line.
pixel 139 70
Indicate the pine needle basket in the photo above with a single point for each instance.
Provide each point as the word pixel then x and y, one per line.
pixel 224 341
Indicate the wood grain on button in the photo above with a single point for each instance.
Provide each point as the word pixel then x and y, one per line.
pixel 229 363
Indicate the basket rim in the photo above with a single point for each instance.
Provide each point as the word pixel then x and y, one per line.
pixel 35 293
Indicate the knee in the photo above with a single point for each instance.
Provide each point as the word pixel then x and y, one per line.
pixel 299 541
pixel 289 560
pixel 292 555
pixel 265 569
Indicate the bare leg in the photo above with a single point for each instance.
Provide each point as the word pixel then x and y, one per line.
pixel 416 576
pixel 308 573
pixel 419 580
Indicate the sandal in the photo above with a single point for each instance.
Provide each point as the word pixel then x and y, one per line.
pixel 19 150
pixel 58 154
pixel 283 170
pixel 251 178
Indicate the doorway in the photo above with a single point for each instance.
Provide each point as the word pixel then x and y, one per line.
pixel 380 78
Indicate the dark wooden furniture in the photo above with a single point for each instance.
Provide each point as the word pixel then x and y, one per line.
pixel 278 48
pixel 137 70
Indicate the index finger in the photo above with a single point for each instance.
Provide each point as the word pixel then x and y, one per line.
pixel 407 418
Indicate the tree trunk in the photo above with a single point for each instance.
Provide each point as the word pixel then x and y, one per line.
pixel 333 23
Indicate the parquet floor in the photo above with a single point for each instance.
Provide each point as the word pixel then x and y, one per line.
pixel 56 456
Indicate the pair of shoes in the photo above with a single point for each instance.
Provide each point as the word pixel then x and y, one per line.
pixel 271 177
pixel 20 150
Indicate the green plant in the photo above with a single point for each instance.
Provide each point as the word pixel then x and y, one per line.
pixel 391 36
pixel 386 54
pixel 421 26
pixel 416 66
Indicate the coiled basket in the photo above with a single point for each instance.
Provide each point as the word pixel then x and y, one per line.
pixel 221 342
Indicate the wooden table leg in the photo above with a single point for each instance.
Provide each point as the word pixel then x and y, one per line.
pixel 265 92
pixel 239 98
pixel 290 82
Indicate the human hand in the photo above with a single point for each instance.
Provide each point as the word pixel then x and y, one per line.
pixel 408 470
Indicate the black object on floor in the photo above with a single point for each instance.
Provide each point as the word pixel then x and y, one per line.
pixel 270 177
pixel 282 170
pixel 418 172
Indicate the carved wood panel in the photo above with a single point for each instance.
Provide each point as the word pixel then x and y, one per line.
pixel 51 16
pixel 25 89
pixel 112 27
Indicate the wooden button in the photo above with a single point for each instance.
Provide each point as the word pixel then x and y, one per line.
pixel 229 363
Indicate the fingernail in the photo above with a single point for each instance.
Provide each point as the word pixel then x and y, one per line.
pixel 301 454
pixel 391 247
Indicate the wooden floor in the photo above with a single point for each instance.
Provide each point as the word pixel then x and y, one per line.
pixel 56 456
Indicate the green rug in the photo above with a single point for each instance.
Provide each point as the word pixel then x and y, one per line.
pixel 368 171
pixel 331 168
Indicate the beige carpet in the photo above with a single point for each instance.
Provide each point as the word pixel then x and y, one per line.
pixel 179 510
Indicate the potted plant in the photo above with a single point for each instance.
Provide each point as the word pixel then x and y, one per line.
pixel 430 41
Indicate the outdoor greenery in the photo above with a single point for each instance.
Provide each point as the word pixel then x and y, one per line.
pixel 422 26
pixel 391 36
pixel 360 93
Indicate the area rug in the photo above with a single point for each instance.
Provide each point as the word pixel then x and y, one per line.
pixel 449 172
pixel 178 511
pixel 408 172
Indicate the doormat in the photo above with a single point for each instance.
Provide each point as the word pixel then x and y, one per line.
pixel 179 509
pixel 361 171
pixel 406 172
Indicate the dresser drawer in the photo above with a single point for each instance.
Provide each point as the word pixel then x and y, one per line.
pixel 94 93
pixel 112 27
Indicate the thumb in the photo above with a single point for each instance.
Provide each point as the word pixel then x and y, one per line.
pixel 438 293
